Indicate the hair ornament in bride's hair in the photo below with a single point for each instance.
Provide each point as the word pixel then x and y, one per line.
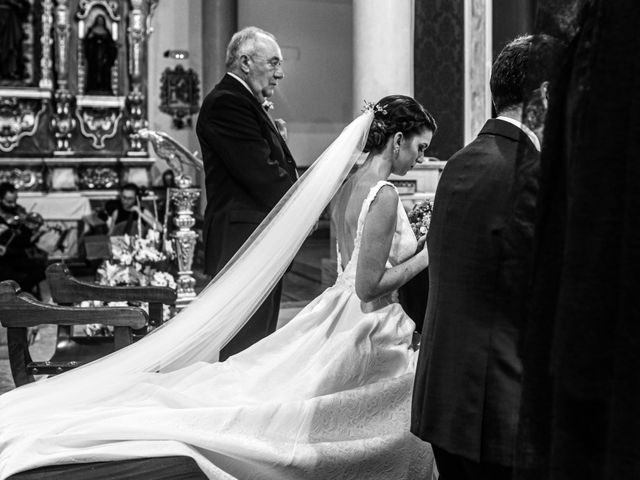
pixel 370 107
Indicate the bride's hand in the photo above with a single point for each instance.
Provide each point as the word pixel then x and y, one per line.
pixel 421 243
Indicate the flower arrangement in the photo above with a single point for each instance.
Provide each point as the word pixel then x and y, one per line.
pixel 420 217
pixel 134 261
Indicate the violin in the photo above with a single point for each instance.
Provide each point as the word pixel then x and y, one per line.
pixel 31 221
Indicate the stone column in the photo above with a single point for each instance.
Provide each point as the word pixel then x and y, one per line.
pixel 477 66
pixel 219 23
pixel 383 49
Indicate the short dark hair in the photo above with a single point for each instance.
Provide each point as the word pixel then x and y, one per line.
pixel 397 113
pixel 7 187
pixel 522 66
pixel 132 187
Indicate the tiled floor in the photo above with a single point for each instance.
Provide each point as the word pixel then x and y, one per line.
pixel 301 284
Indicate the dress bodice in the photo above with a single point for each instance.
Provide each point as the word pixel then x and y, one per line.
pixel 403 245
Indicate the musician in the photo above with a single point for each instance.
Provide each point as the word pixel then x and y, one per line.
pixel 127 216
pixel 20 259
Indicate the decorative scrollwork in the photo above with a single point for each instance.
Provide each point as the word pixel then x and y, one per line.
pixel 98 124
pixel 18 118
pixel 98 178
pixel 135 121
pixel 110 6
pixel 22 178
pixel 62 123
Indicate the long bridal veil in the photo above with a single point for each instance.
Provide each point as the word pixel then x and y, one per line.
pixel 199 331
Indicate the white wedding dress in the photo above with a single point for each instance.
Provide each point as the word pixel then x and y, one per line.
pixel 327 396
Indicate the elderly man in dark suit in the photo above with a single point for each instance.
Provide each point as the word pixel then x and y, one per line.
pixel 468 379
pixel 248 166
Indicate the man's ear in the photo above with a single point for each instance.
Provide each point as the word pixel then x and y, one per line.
pixel 244 63
pixel 544 90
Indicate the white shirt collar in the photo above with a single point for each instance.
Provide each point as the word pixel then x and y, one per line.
pixel 534 138
pixel 246 85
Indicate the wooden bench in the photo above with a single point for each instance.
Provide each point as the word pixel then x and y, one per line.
pixel 67 290
pixel 20 310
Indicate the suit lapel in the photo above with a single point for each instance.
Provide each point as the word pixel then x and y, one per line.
pixel 230 83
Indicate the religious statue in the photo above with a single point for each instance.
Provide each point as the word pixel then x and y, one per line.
pixel 13 13
pixel 100 51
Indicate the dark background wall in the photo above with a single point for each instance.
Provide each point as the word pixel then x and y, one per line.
pixel 439 70
pixel 439 60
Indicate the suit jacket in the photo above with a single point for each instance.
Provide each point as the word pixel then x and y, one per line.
pixel 248 168
pixel 468 379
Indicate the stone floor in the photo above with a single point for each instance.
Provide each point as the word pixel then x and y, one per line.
pixel 301 284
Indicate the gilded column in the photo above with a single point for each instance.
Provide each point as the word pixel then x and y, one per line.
pixel 383 49
pixel 62 122
pixel 46 79
pixel 136 100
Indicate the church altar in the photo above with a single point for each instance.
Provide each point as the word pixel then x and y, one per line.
pixel 73 94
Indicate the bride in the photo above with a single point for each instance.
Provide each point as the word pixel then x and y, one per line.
pixel 326 396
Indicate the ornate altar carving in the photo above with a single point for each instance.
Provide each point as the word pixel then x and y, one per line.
pixel 78 99
pixel 24 178
pixel 19 117
pixel 62 122
pixel 179 95
pixel 99 118
pixel 101 178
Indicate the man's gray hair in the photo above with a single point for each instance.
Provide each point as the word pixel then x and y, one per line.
pixel 243 42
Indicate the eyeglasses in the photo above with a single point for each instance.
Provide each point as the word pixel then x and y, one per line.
pixel 273 63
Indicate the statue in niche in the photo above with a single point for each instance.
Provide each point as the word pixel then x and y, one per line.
pixel 100 51
pixel 13 13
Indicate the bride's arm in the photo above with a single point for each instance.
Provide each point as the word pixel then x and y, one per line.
pixel 373 279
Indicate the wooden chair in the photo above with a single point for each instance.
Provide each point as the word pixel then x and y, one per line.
pixel 20 310
pixel 67 290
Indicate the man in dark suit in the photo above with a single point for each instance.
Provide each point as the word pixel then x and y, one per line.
pixel 468 379
pixel 248 166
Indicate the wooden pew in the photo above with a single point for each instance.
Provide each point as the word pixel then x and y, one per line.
pixel 67 290
pixel 20 310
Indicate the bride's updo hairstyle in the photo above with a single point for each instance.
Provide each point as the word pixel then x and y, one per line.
pixel 397 113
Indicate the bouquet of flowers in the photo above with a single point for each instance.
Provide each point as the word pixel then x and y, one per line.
pixel 420 217
pixel 135 261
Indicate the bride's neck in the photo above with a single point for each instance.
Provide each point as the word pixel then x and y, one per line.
pixel 376 166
